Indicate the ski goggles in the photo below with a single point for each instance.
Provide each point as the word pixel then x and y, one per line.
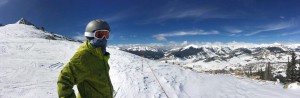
pixel 98 34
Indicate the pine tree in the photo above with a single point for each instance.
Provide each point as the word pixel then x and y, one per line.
pixel 261 73
pixel 250 71
pixel 291 72
pixel 293 67
pixel 270 68
pixel 287 72
pixel 299 73
pixel 268 72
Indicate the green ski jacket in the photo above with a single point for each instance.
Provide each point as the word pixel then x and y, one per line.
pixel 89 70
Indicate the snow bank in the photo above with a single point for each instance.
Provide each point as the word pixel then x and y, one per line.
pixel 294 86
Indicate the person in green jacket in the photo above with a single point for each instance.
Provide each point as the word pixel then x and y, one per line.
pixel 88 68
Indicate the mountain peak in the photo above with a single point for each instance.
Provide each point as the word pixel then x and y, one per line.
pixel 190 46
pixel 24 21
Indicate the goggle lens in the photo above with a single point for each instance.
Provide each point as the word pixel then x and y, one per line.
pixel 101 33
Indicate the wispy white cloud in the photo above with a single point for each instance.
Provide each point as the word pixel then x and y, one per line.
pixel 271 27
pixel 163 36
pixel 184 43
pixel 234 35
pixel 79 36
pixel 120 15
pixel 180 9
pixel 127 37
pixel 291 33
pixel 116 17
pixel 233 30
pixel 3 2
pixel 184 13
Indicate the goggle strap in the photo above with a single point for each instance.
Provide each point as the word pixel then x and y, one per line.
pixel 89 34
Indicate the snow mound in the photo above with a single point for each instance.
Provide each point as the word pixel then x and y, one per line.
pixel 294 86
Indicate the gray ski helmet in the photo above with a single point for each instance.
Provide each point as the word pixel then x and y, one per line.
pixel 97 24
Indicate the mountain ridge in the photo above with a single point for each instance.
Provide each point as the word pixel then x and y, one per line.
pixel 29 30
pixel 191 55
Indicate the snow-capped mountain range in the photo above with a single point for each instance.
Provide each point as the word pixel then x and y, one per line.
pixel 216 56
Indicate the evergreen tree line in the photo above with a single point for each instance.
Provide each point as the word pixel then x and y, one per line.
pixel 292 72
pixel 263 75
pixel 267 74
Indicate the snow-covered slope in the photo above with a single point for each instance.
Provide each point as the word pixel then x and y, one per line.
pixel 30 64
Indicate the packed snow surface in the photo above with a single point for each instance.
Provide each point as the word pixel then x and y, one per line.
pixel 30 65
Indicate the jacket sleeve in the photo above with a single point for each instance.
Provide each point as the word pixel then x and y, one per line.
pixel 73 73
pixel 65 83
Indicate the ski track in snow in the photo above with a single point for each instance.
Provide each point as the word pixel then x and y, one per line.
pixel 29 68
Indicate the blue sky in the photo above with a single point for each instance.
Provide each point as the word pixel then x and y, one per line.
pixel 165 21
